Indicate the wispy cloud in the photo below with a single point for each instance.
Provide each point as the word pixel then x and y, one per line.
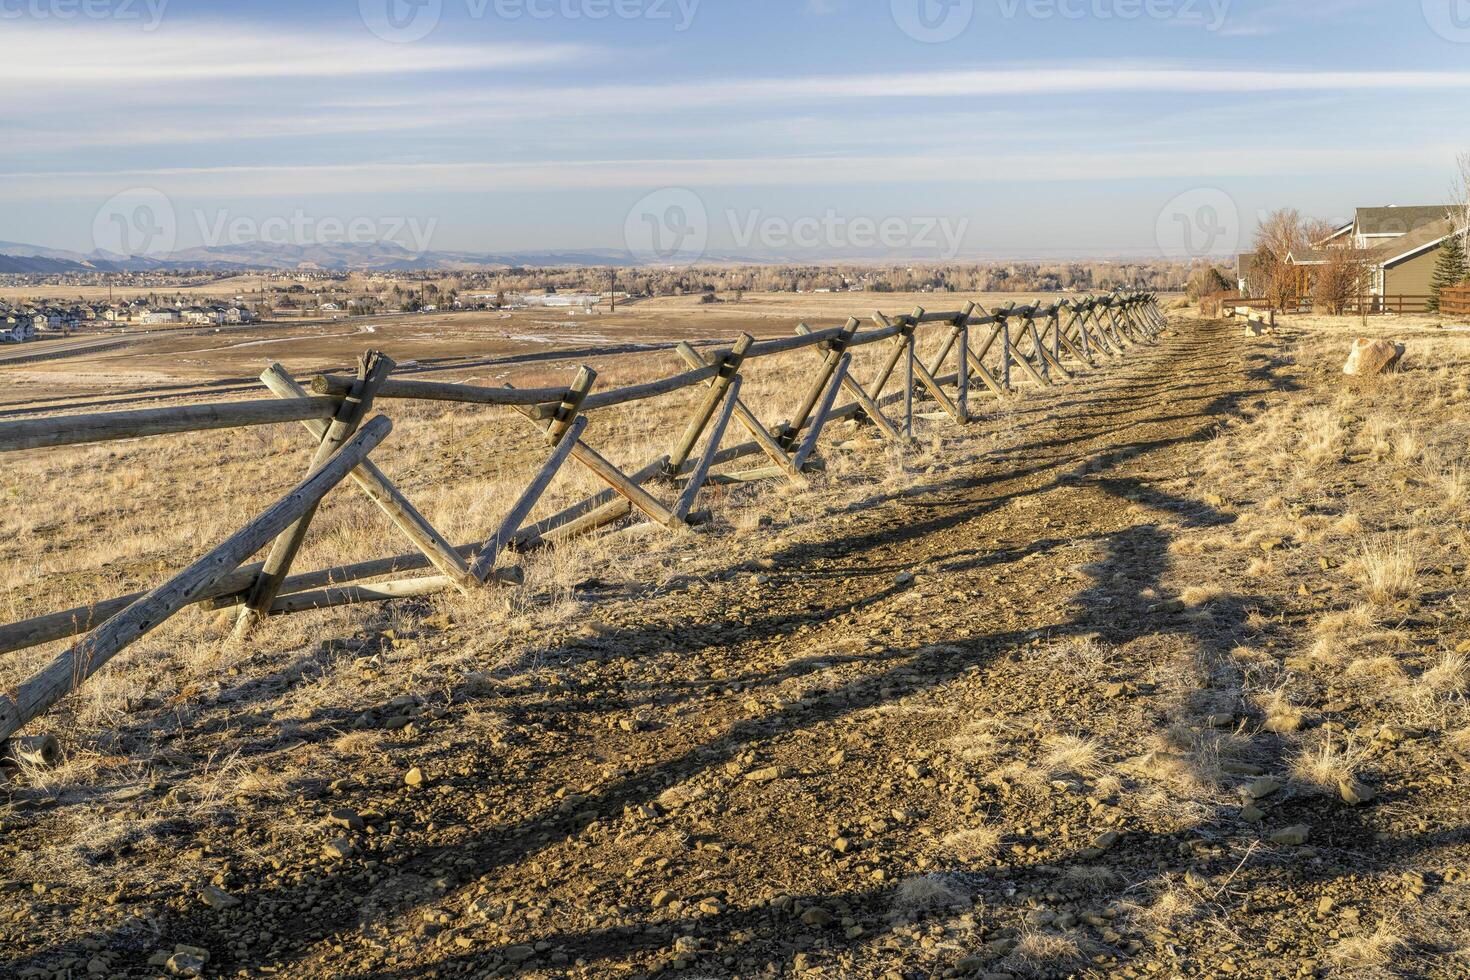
pixel 390 178
pixel 91 56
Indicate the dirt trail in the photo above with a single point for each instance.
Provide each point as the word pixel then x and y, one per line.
pixel 768 772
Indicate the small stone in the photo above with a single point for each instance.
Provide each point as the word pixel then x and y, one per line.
pixel 336 850
pixel 842 845
pixel 97 966
pixel 1354 793
pixel 1324 905
pixel 1251 813
pixel 662 898
pixel 217 898
pixel 816 917
pixel 1293 836
pixel 414 778
pixel 1221 720
pixel 903 578
pixel 836 759
pixel 766 775
pixel 1263 787
pixel 519 954
pixel 185 965
pixel 346 819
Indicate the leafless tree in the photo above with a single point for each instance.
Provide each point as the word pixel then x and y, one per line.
pixel 1280 233
pixel 1460 208
pixel 1340 280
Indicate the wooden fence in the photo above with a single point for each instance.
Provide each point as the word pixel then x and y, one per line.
pixel 1455 301
pixel 978 352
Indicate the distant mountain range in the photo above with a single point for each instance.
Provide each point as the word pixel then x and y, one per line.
pixel 368 257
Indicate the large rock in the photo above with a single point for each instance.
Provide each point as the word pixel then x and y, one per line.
pixel 1370 357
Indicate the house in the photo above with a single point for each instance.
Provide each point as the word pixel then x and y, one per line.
pixel 238 314
pixel 16 328
pixel 163 314
pixel 204 314
pixel 1398 245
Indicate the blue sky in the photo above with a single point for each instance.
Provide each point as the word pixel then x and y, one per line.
pixel 966 128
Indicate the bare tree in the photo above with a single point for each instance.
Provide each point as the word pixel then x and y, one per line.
pixel 1280 233
pixel 1342 278
pixel 1460 209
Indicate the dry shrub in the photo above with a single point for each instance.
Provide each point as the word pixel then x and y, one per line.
pixel 1375 950
pixel 1070 755
pixel 1326 764
pixel 1043 954
pixel 1449 676
pixel 1389 571
pixel 930 892
pixel 975 844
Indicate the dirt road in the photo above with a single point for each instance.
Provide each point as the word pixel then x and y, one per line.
pixel 916 735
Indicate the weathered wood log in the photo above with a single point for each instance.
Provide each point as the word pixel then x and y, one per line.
pixel 871 411
pixel 373 369
pixel 439 391
pixel 349 595
pixel 70 669
pixel 836 348
pixel 651 389
pixel 767 442
pixel 819 420
pixel 707 458
pixel 381 491
pixel 36 751
pixel 727 371
pixel 71 430
pixel 527 500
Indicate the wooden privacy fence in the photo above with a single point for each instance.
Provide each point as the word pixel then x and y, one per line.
pixel 978 352
pixel 1455 301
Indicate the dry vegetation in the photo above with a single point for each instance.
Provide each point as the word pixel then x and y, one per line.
pixel 1163 673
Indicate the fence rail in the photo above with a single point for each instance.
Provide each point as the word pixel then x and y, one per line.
pixel 979 352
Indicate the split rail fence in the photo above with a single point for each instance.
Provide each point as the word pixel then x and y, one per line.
pixel 978 352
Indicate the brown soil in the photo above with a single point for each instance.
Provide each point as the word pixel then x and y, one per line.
pixel 950 730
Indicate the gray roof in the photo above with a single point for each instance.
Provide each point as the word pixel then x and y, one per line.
pixel 1399 221
pixel 1419 238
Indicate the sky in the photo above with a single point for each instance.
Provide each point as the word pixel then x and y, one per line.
pixel 686 130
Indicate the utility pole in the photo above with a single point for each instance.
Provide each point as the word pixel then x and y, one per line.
pixel 612 292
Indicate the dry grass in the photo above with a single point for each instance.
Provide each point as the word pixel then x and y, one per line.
pixel 1377 949
pixel 930 891
pixel 1043 954
pixel 1389 570
pixel 979 844
pixel 1326 763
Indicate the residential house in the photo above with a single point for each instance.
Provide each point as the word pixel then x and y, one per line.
pixel 1399 246
pixel 16 328
pixel 163 314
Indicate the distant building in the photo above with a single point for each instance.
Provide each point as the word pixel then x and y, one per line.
pixel 16 328
pixel 1399 245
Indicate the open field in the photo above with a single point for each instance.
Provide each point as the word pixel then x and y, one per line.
pixel 1158 673
pixel 488 347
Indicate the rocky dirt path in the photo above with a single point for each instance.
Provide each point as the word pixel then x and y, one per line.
pixel 915 736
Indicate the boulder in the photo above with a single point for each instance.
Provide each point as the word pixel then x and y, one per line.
pixel 1370 357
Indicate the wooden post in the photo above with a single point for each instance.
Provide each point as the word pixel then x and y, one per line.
pixel 707 458
pixel 70 669
pixel 485 562
pixel 382 492
pixel 870 408
pixel 908 376
pixel 714 396
pixel 373 367
pixel 820 421
pixel 769 444
pixel 790 432
pixel 963 328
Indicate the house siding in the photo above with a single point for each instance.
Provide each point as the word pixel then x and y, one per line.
pixel 1412 276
